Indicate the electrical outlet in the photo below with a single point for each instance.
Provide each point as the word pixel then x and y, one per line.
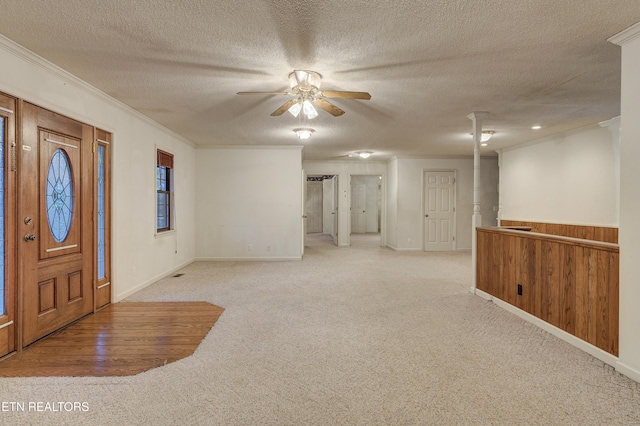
pixel 268 248
pixel 519 289
pixel 249 247
pixel 409 240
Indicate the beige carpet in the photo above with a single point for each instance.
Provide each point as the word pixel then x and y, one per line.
pixel 349 336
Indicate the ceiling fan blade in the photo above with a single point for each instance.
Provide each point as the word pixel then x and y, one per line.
pixel 329 107
pixel 284 107
pixel 346 95
pixel 263 93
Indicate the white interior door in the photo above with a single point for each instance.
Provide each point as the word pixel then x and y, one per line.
pixel 439 211
pixel 358 208
pixel 314 206
pixel 303 212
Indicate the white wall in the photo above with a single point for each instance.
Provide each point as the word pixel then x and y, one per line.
pixel 408 205
pixel 345 169
pixel 392 203
pixel 249 203
pixel 629 358
pixel 138 257
pixel 568 178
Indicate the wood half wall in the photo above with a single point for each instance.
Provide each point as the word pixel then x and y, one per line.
pixel 595 233
pixel 568 282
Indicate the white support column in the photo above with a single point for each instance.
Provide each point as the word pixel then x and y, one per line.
pixel 476 219
pixel 499 213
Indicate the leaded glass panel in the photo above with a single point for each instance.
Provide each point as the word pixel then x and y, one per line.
pixel 59 196
pixel 101 213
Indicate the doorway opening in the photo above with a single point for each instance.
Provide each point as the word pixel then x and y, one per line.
pixel 322 206
pixel 366 218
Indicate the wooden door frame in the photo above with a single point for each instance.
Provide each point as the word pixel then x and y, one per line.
pixel 455 211
pixel 10 327
pixel 11 108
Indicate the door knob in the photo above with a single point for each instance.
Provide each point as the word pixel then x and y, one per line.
pixel 29 237
pixel 426 215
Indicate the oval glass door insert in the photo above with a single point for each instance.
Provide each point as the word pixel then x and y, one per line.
pixel 59 196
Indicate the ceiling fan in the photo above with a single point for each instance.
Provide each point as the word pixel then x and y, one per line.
pixel 305 87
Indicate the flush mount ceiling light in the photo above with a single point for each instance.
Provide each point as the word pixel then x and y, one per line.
pixel 364 154
pixel 536 127
pixel 304 133
pixel 486 135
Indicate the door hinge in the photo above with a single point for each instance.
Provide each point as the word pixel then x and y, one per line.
pixel 93 147
pixel 454 180
pixel 454 238
pixel 454 208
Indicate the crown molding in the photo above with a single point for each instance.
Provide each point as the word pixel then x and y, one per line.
pixel 626 35
pixel 254 147
pixel 66 77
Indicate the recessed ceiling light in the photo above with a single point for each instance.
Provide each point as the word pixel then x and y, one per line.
pixel 536 127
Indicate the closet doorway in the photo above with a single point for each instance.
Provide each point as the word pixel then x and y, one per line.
pixel 366 207
pixel 322 205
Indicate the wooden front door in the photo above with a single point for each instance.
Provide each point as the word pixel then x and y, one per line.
pixel 55 219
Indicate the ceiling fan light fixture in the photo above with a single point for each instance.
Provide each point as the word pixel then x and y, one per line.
pixel 295 109
pixel 305 79
pixel 304 133
pixel 308 109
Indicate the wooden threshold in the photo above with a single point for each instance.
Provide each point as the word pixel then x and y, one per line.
pixel 122 339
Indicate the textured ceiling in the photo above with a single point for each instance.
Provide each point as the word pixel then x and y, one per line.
pixel 427 65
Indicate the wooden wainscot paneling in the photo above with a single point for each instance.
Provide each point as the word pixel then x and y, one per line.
pixel 568 282
pixel 595 233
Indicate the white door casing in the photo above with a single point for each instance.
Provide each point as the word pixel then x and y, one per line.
pixel 439 210
pixel 334 209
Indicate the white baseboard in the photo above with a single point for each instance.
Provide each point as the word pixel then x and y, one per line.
pixel 403 249
pixel 592 350
pixel 247 259
pixel 630 372
pixel 119 297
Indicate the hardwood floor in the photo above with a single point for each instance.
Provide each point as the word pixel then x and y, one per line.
pixel 122 339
